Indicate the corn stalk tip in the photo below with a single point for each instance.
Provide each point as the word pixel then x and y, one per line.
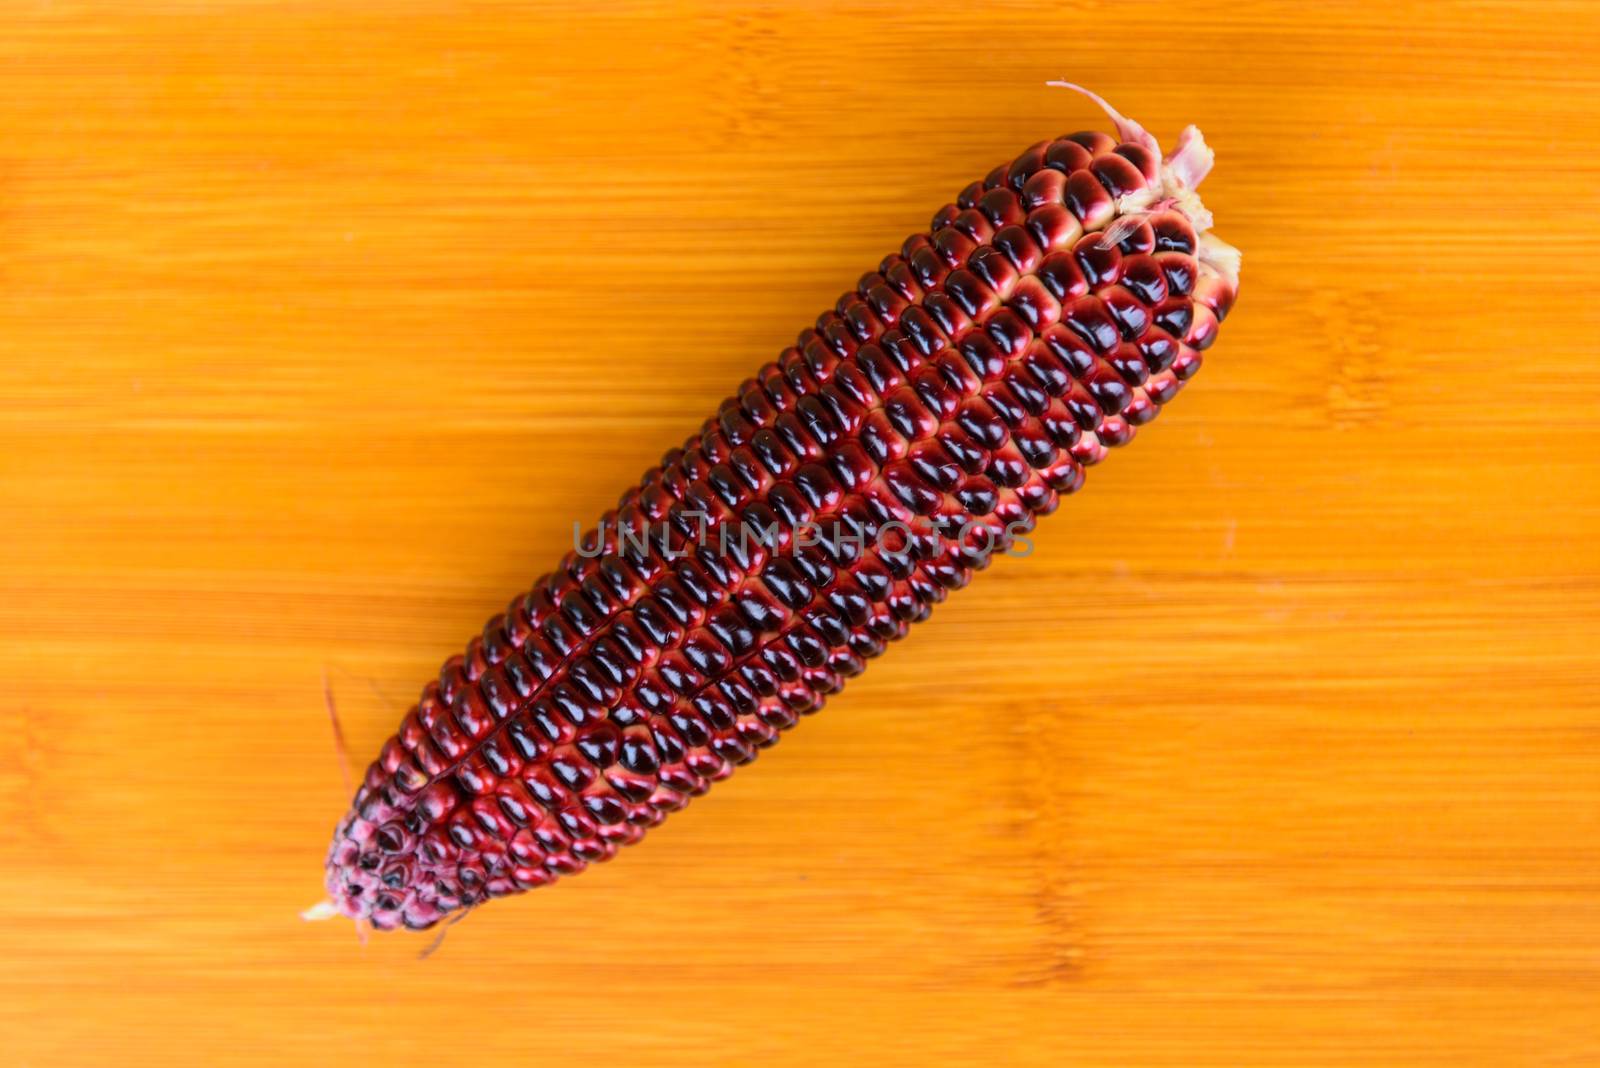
pixel 322 910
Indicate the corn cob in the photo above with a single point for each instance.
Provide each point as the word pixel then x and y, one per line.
pixel 968 381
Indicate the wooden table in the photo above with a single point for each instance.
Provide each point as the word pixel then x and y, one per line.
pixel 321 322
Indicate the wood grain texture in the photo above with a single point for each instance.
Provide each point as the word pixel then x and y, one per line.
pixel 321 322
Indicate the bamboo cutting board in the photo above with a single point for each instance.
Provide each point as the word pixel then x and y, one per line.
pixel 321 323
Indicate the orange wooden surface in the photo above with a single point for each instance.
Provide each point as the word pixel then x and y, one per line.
pixel 320 323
